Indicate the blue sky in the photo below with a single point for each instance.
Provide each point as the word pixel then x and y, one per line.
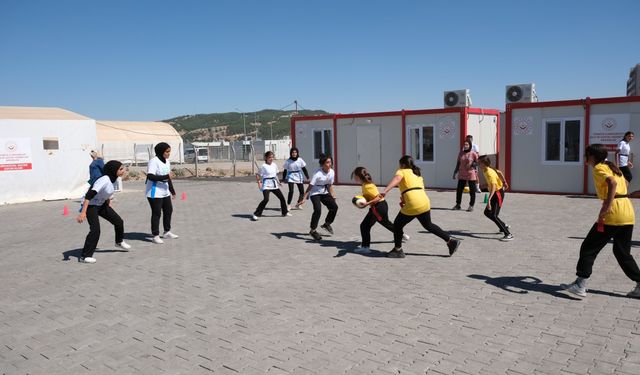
pixel 153 60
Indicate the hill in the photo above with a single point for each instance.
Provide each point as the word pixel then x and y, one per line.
pixel 229 125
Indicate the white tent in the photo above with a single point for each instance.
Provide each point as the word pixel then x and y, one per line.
pixel 133 141
pixel 44 153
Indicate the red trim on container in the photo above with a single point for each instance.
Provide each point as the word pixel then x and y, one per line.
pixel 463 126
pixel 498 142
pixel 293 132
pixel 335 147
pixel 587 125
pixel 507 144
pixel 404 133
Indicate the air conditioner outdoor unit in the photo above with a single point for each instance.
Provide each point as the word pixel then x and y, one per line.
pixel 523 93
pixel 457 98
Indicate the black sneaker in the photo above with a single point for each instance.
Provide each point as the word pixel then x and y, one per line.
pixel 327 227
pixel 316 236
pixel 395 254
pixel 456 207
pixel 453 245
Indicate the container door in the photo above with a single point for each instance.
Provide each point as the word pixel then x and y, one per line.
pixel 368 148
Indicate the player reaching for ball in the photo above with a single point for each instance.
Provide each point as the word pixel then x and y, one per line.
pixel 378 208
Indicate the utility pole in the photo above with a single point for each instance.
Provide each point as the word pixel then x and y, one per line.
pixel 296 103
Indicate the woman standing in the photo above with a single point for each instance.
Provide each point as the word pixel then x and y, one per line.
pixel 415 204
pixel 622 156
pixel 97 202
pixel 267 178
pixel 615 222
pixel 159 192
pixel 378 209
pixel 320 190
pixel 496 197
pixel 96 168
pixel 466 169
pixel 293 169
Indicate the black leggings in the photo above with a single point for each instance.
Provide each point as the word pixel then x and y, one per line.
pixel 93 213
pixel 626 172
pixel 496 201
pixel 265 200
pixel 596 241
pixel 160 207
pixel 472 191
pixel 379 213
pixel 317 201
pixel 424 219
pixel 300 191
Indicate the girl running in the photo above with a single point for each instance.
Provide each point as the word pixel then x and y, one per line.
pixel 467 173
pixel 496 197
pixel 267 178
pixel 97 202
pixel 615 222
pixel 415 204
pixel 293 169
pixel 378 209
pixel 320 190
pixel 160 192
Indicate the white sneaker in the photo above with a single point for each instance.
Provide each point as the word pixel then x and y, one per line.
pixel 289 208
pixel 157 240
pixel 478 189
pixel 362 250
pixel 88 260
pixel 168 234
pixel 288 214
pixel 635 293
pixel 405 237
pixel 254 218
pixel 574 289
pixel 124 246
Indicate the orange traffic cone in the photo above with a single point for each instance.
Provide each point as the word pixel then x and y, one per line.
pixel 65 210
pixel 184 196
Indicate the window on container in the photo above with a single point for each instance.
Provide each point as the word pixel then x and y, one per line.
pixel 422 143
pixel 553 141
pixel 427 143
pixel 322 143
pixel 572 140
pixel 415 144
pixel 50 144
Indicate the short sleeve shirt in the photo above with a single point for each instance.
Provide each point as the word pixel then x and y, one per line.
pixel 320 181
pixel 158 189
pixel 370 191
pixel 269 175
pixel 492 178
pixel 466 170
pixel 621 209
pixel 623 153
pixel 104 189
pixel 294 170
pixel 415 198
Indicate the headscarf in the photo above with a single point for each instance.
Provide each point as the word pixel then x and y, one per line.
pixel 291 153
pixel 111 170
pixel 160 149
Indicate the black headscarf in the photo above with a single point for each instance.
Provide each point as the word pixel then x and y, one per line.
pixel 291 153
pixel 111 170
pixel 160 149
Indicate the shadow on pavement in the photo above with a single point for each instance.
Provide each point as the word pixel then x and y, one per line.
pixel 523 285
pixel 138 236
pixel 77 253
pixel 466 233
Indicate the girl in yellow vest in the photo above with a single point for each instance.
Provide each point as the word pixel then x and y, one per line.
pixel 615 221
pixel 496 196
pixel 378 209
pixel 415 204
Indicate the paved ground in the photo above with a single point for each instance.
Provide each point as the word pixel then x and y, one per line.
pixel 234 296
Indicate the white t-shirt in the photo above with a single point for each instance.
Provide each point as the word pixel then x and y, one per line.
pixel 158 189
pixel 104 187
pixel 269 175
pixel 294 170
pixel 320 181
pixel 623 153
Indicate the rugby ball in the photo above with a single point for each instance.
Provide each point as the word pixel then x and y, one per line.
pixel 359 201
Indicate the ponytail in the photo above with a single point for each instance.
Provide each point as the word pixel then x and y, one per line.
pixel 599 154
pixel 363 174
pixel 407 161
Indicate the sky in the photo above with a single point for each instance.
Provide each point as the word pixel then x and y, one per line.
pixel 154 60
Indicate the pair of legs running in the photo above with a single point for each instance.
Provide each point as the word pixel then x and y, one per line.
pixel 492 214
pixel 265 199
pixel 425 219
pixel 300 194
pixel 318 201
pixel 93 218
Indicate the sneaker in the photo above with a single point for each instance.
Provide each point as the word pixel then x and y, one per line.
pixel 287 214
pixel 470 209
pixel 254 218
pixel 289 208
pixel 405 237
pixel 395 254
pixel 478 190
pixel 507 237
pixel 316 236
pixel 157 240
pixel 124 246
pixel 453 245
pixel 456 207
pixel 574 289
pixel 87 260
pixel 362 250
pixel 299 205
pixel 327 227
pixel 168 234
pixel 635 293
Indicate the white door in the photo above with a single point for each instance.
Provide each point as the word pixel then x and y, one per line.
pixel 368 149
